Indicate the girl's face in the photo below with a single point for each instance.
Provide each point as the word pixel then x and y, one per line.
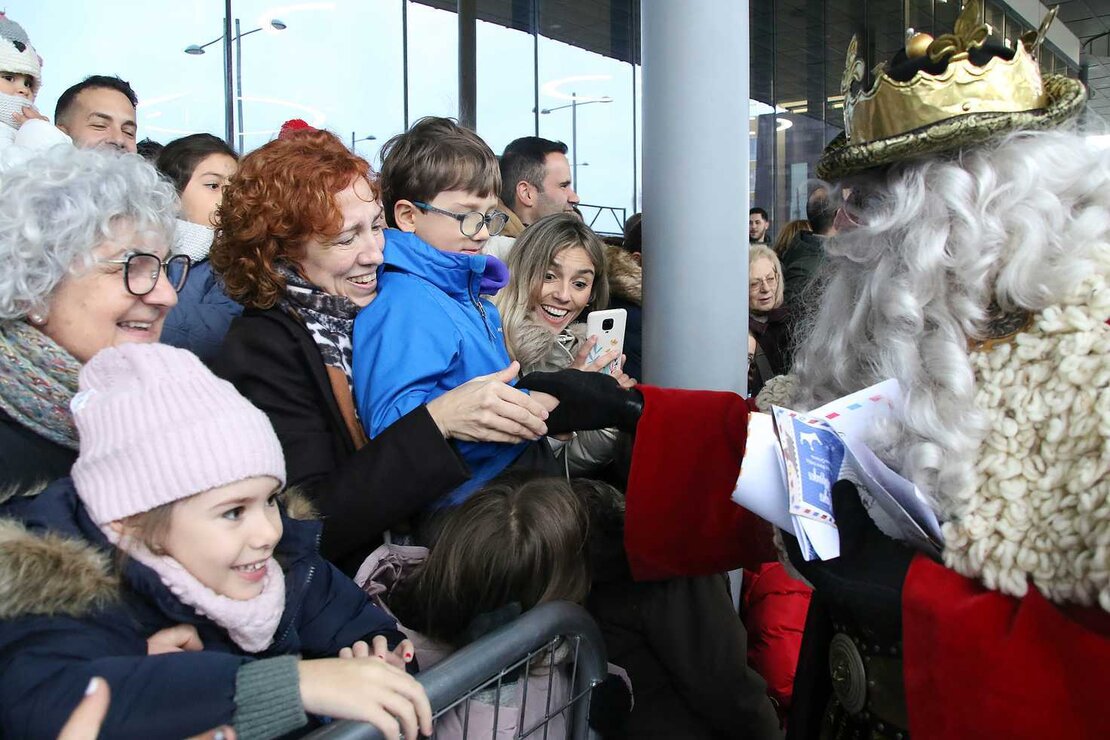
pixel 347 264
pixel 94 310
pixel 225 536
pixel 763 285
pixel 564 289
pixel 14 83
pixel 205 189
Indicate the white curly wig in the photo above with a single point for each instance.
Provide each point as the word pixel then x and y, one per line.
pixel 58 206
pixel 1019 222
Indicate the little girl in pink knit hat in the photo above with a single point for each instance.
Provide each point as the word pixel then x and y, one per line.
pixel 173 522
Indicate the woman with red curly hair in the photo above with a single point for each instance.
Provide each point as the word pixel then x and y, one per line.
pixel 299 245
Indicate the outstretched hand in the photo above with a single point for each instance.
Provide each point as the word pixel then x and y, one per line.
pixel 399 657
pixel 488 409
pixel 587 401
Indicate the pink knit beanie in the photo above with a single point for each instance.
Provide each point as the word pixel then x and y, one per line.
pixel 155 426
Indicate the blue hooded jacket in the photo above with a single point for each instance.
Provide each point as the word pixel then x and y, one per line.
pixel 428 332
pixel 202 316
pixel 69 613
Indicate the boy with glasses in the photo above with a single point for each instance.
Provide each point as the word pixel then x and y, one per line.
pixel 430 330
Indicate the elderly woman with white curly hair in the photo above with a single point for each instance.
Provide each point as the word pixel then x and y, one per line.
pixel 85 238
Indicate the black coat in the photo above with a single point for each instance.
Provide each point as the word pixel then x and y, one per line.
pixel 773 337
pixel 360 493
pixel 27 458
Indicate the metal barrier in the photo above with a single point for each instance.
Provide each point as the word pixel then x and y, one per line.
pixel 549 629
pixel 605 220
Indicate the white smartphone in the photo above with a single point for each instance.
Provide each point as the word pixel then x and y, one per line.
pixel 608 327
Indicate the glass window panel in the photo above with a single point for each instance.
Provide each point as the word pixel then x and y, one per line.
pixel 506 72
pixel 314 69
pixel 945 13
pixel 588 97
pixel 920 16
pixel 996 19
pixel 178 93
pixel 433 35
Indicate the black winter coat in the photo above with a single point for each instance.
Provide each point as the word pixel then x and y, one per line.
pixel 360 493
pixel 27 459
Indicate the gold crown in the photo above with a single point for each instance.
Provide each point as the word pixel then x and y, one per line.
pixel 891 108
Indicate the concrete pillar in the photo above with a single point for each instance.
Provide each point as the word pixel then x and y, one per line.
pixel 695 181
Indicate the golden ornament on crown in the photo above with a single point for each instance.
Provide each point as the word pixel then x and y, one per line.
pixel 891 107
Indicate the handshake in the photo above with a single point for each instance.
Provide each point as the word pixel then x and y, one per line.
pixel 586 401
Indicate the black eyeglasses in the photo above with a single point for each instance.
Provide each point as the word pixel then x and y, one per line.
pixel 471 222
pixel 141 271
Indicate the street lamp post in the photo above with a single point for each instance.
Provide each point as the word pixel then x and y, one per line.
pixel 573 105
pixel 197 50
pixel 354 141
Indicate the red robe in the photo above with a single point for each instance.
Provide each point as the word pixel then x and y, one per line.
pixel 977 663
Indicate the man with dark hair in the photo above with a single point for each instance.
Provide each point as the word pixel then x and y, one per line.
pixel 99 111
pixel 759 224
pixel 535 179
pixel 805 255
pixel 149 149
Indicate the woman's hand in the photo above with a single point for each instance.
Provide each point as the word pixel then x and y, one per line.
pixel 583 354
pixel 487 409
pixel 176 639
pixel 623 379
pixel 399 657
pixel 366 690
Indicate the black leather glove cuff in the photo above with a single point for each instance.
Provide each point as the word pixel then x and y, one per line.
pixel 586 401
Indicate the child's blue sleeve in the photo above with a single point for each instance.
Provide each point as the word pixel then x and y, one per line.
pixel 404 344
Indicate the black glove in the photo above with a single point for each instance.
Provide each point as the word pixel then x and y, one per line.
pixel 586 401
pixel 867 577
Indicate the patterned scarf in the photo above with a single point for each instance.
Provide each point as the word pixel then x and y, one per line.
pixel 37 381
pixel 329 318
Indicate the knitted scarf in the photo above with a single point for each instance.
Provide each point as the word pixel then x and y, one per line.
pixel 251 624
pixel 192 239
pixel 329 318
pixel 37 381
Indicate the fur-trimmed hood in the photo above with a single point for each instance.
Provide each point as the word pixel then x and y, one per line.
pixel 59 572
pixel 537 349
pixel 626 276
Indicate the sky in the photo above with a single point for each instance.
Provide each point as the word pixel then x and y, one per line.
pixel 339 65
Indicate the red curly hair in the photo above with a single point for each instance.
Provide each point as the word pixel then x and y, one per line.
pixel 283 194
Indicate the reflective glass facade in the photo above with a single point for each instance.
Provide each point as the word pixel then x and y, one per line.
pixel 563 69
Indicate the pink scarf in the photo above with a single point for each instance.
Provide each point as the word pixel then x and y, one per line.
pixel 250 623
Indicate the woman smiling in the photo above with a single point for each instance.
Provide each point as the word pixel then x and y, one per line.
pixel 84 240
pixel 558 269
pixel 299 244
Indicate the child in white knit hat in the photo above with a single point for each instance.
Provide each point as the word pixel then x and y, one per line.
pixel 171 523
pixel 23 130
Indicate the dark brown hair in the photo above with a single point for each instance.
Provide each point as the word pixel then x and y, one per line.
pixel 516 540
pixel 283 194
pixel 435 155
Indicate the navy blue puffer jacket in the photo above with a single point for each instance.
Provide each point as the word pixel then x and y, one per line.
pixel 69 612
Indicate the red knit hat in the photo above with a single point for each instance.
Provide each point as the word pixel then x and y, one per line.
pixel 294 126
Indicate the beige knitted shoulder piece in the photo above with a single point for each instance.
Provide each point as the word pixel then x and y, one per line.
pixel 1040 512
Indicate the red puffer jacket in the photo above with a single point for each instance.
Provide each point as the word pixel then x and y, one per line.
pixel 773 606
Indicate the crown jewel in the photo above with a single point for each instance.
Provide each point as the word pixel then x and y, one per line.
pixel 1000 85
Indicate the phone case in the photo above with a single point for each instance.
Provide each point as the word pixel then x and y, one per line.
pixel 607 339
